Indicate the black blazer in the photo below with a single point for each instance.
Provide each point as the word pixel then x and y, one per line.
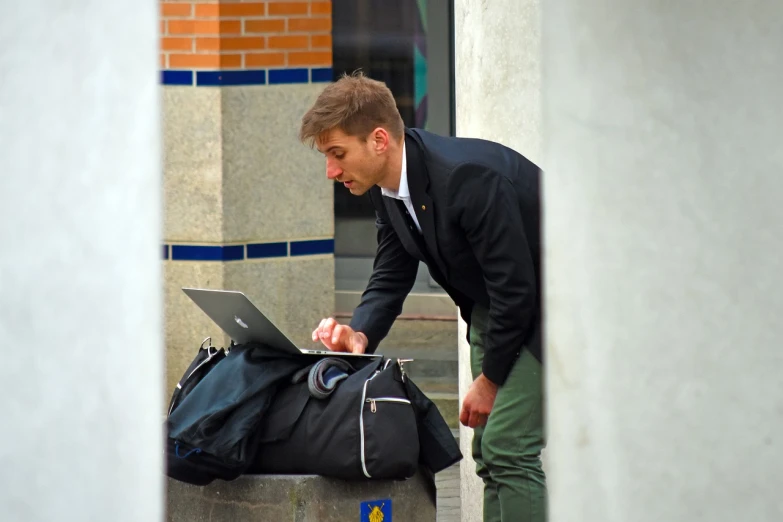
pixel 479 209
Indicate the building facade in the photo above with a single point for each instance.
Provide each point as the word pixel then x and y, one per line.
pixel 247 207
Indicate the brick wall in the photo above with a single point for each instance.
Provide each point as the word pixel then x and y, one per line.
pixel 229 34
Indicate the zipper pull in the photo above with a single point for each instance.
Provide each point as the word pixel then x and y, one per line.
pixel 373 407
pixel 401 363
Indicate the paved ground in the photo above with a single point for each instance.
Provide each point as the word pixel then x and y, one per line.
pixel 447 483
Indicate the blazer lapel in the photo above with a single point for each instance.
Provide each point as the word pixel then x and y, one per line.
pixel 396 210
pixel 418 184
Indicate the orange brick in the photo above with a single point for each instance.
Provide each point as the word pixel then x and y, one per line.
pixel 264 26
pixel 207 10
pixel 310 58
pixel 205 27
pixel 162 27
pixel 245 43
pixel 162 61
pixel 288 42
pixel 244 9
pixel 321 8
pixel 208 44
pixel 309 24
pixel 204 60
pixel 264 59
pixel 318 41
pixel 175 9
pixel 177 44
pixel 230 10
pixel 287 8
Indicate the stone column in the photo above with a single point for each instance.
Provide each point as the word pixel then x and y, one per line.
pixel 664 227
pixel 80 297
pixel 247 207
pixel 498 91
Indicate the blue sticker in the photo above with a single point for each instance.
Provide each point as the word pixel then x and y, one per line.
pixel 376 511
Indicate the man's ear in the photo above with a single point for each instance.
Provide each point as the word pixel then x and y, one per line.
pixel 380 140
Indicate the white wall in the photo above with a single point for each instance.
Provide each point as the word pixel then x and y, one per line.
pixel 664 227
pixel 498 93
pixel 80 314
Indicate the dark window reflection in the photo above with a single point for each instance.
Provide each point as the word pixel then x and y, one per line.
pixel 386 40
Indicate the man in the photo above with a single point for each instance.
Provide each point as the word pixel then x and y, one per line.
pixel 469 209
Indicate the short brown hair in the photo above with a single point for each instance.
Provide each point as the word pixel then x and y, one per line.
pixel 354 104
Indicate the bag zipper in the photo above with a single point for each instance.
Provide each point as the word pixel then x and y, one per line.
pixel 361 423
pixel 374 408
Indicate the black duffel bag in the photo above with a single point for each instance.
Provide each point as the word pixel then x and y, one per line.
pixel 238 412
pixel 367 429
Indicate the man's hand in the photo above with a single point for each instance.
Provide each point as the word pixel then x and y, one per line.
pixel 339 337
pixel 478 402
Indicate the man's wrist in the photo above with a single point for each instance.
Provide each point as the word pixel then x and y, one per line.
pixel 488 382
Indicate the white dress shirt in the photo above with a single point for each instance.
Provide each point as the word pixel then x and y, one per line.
pixel 403 193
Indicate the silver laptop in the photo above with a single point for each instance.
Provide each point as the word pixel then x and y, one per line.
pixel 243 322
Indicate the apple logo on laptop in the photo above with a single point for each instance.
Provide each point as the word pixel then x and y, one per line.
pixel 240 322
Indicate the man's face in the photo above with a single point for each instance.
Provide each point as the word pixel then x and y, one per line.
pixel 352 161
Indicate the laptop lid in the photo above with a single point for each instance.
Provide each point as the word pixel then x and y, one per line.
pixel 242 321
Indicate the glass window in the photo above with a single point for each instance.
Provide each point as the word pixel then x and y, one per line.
pixel 407 45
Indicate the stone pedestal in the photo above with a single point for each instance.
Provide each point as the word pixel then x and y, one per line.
pixel 302 498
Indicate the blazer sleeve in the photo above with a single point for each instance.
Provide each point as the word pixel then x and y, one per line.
pixel 393 275
pixel 487 209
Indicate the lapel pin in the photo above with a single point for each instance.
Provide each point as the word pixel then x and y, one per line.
pixel 424 207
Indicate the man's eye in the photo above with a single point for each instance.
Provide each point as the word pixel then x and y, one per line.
pixel 339 156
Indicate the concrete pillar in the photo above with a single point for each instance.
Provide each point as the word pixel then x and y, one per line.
pixel 80 298
pixel 498 91
pixel 664 227
pixel 247 207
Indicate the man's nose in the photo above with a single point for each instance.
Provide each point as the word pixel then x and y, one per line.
pixel 332 170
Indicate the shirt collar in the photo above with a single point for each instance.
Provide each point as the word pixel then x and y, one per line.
pixel 403 191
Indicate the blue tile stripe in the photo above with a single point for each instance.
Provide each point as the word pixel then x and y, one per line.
pixel 278 249
pixel 207 253
pixel 321 75
pixel 176 77
pixel 264 250
pixel 220 78
pixel 312 247
pixel 279 76
pixel 224 78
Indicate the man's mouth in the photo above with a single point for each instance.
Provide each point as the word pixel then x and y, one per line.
pixel 348 184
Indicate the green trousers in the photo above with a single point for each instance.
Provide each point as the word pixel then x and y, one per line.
pixel 507 451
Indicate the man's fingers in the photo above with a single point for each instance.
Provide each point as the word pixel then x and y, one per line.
pixel 327 325
pixel 464 414
pixel 358 344
pixel 338 333
pixel 318 332
pixel 338 338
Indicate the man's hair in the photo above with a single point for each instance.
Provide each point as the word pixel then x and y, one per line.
pixel 354 104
